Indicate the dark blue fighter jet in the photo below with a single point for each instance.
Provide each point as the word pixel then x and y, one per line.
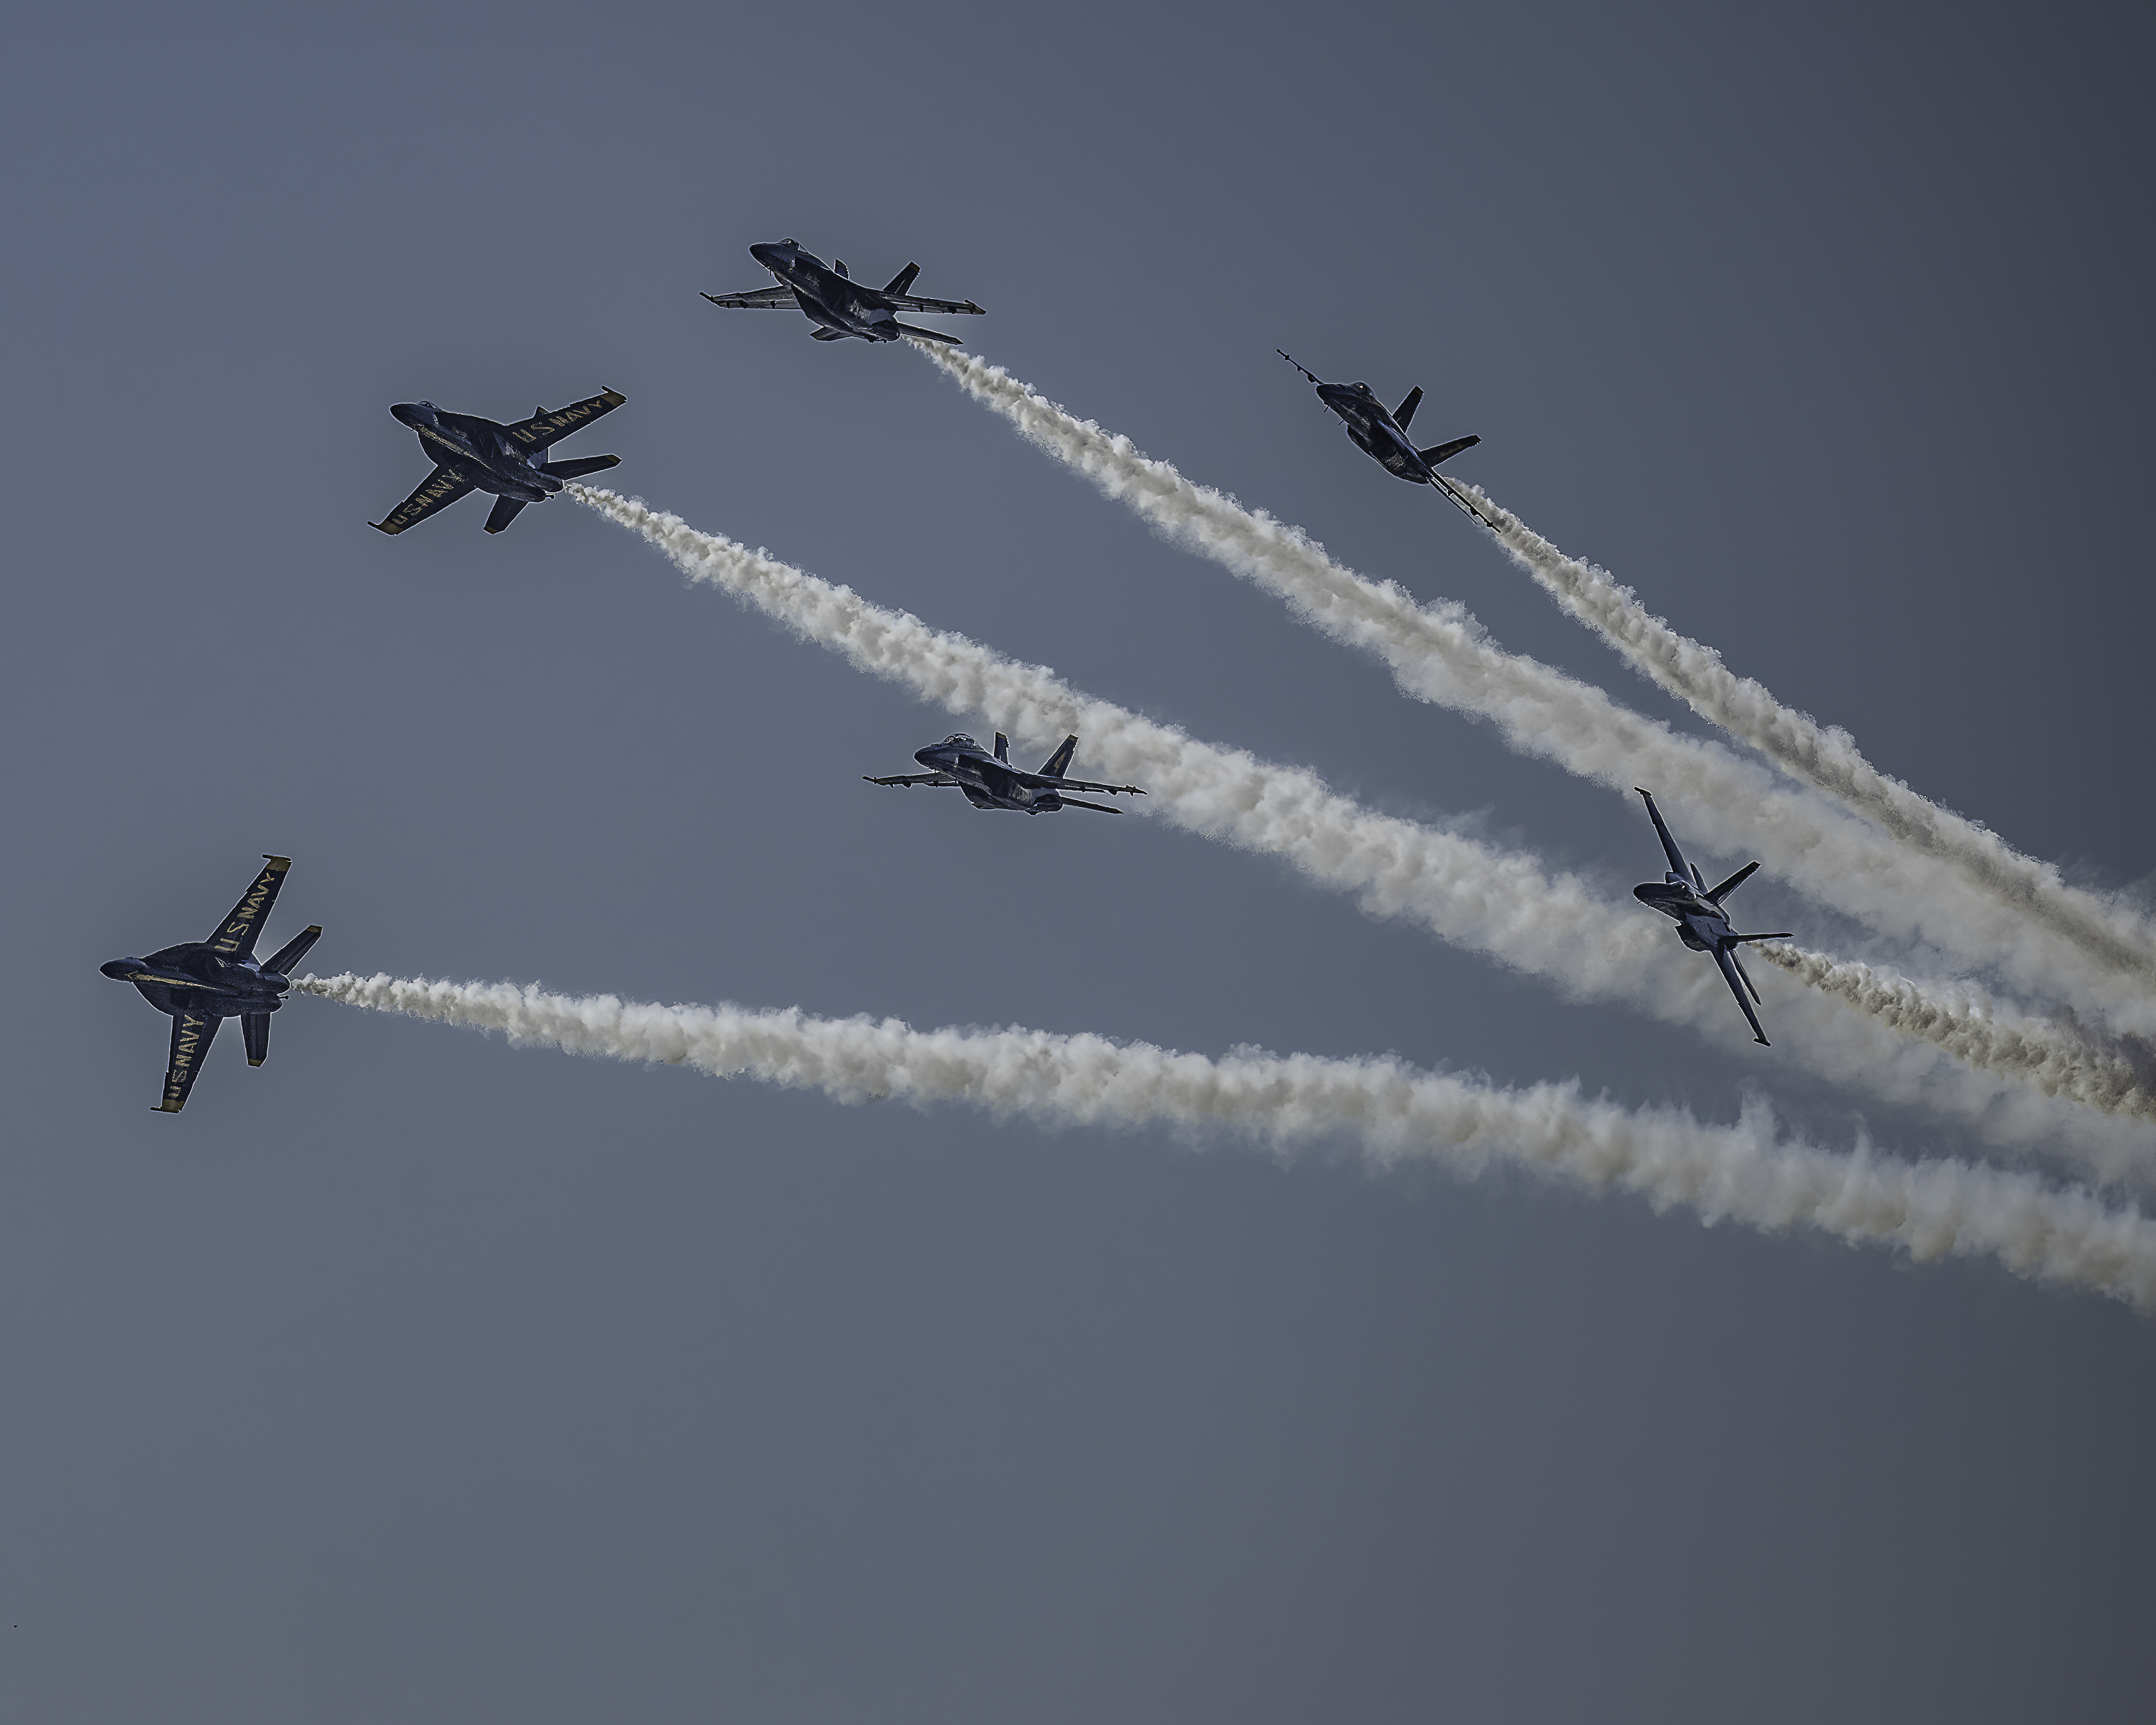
pixel 1384 436
pixel 510 461
pixel 199 984
pixel 1684 896
pixel 989 781
pixel 835 302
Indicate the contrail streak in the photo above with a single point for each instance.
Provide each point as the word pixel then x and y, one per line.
pixel 1976 1030
pixel 1393 1112
pixel 1827 756
pixel 1439 652
pixel 1498 903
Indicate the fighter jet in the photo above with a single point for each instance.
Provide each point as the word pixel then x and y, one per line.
pixel 201 983
pixel 508 461
pixel 837 304
pixel 1384 435
pixel 1683 895
pixel 989 781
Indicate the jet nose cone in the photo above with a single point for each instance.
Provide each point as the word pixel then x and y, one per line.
pixel 413 413
pixel 117 969
pixel 766 253
pixel 925 757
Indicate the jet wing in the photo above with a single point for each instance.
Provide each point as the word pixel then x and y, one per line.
pixel 542 429
pixel 1730 973
pixel 234 937
pixel 1053 782
pixel 910 302
pixel 192 1033
pixel 770 299
pixel 930 779
pixel 1669 845
pixel 438 490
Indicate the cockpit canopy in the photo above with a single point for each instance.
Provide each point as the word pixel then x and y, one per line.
pixel 960 741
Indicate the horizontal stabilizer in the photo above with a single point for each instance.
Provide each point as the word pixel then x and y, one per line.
pixel 254 1026
pixel 908 329
pixel 289 956
pixel 826 336
pixel 1732 883
pixel 1404 416
pixel 1437 453
pixel 583 465
pixel 903 280
pixel 1062 802
pixel 506 510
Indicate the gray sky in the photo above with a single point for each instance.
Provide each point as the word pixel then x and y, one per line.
pixel 416 1376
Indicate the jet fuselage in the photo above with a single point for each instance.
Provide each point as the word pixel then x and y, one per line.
pixel 836 301
pixel 480 451
pixel 193 978
pixel 986 782
pixel 1700 925
pixel 1373 430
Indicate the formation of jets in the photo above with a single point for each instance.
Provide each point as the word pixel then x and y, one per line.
pixel 198 984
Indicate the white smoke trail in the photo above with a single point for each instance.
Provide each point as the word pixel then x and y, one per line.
pixel 1498 902
pixel 1439 652
pixel 1827 756
pixel 1976 1030
pixel 1393 1112
pixel 1473 895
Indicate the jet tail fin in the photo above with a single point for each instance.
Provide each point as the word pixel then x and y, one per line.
pixel 1058 765
pixel 583 465
pixel 1439 453
pixel 1718 894
pixel 504 510
pixel 291 954
pixel 1403 415
pixel 254 1026
pixel 903 280
pixel 1003 749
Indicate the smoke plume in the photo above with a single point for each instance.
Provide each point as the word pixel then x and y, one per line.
pixel 1498 903
pixel 1391 1112
pixel 1976 1030
pixel 1439 653
pixel 1827 756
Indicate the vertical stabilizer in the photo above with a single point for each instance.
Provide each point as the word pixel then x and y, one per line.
pixel 1057 764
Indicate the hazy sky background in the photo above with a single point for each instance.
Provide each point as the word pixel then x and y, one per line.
pixel 414 1376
